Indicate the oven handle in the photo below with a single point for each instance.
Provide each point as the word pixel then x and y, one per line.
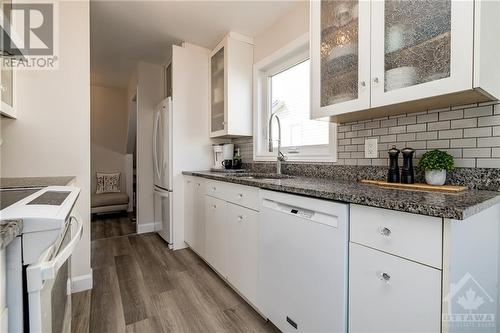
pixel 47 270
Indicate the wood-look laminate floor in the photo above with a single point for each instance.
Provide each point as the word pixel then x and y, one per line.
pixel 142 286
pixel 112 225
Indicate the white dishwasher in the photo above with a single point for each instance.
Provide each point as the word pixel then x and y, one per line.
pixel 303 263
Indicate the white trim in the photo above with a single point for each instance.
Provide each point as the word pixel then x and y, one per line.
pixel 81 282
pixel 145 227
pixel 293 53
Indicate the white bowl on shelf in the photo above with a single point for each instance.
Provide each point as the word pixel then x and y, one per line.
pixel 400 77
pixel 343 50
pixel 336 99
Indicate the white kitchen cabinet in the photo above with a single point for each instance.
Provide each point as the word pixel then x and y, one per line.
pixel 242 249
pixel 391 294
pixel 231 64
pixel 216 234
pixel 378 58
pixel 194 213
pixel 7 92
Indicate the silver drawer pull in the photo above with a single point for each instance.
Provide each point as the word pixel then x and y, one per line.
pixel 240 195
pixel 384 231
pixel 385 277
pixel 214 206
pixel 240 218
pixel 213 189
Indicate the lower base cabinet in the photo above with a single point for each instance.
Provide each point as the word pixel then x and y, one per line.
pixel 215 234
pixel 242 249
pixel 392 294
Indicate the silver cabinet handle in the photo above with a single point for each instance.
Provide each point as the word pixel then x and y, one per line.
pixel 375 80
pixel 214 206
pixel 240 218
pixel 213 189
pixel 240 195
pixel 384 277
pixel 384 231
pixel 362 84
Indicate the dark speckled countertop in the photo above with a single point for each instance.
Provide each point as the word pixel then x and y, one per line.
pixel 34 182
pixel 453 206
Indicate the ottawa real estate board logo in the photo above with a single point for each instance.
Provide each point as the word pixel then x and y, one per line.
pixel 29 35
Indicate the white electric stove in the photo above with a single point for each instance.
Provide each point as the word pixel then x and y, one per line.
pixel 38 261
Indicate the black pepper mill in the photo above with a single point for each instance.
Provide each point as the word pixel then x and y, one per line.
pixel 393 175
pixel 408 174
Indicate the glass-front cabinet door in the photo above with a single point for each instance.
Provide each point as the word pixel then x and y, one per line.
pixel 420 49
pixel 217 91
pixel 340 56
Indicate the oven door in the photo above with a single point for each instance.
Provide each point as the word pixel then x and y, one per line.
pixel 48 283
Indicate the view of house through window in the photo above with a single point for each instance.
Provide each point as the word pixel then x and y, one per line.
pixel 290 98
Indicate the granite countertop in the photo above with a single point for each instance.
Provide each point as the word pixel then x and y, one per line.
pixel 9 229
pixel 453 206
pixel 34 182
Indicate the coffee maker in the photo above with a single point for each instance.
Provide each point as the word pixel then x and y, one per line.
pixel 218 157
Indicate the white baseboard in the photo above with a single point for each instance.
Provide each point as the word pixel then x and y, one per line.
pixel 81 283
pixel 147 227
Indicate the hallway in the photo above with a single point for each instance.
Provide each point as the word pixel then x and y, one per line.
pixel 141 286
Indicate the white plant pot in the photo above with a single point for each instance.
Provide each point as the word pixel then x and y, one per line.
pixel 435 177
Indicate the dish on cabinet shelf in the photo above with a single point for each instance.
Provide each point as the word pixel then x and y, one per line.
pixel 335 99
pixel 399 36
pixel 436 76
pixel 343 50
pixel 400 77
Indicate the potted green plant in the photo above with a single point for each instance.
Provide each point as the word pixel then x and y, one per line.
pixel 436 163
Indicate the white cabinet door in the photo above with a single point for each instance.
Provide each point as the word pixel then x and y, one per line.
pixel 199 220
pixel 391 294
pixel 420 49
pixel 243 250
pixel 340 54
pixel 189 229
pixel 216 234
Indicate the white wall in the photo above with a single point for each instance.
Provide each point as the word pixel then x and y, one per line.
pixel 51 136
pixel 286 29
pixel 149 94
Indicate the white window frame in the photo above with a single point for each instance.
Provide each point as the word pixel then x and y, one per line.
pixel 288 56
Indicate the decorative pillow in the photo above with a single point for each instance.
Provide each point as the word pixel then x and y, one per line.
pixel 108 182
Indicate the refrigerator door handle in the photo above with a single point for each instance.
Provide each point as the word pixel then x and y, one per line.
pixel 155 143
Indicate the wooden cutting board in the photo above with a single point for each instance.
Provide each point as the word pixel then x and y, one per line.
pixel 417 187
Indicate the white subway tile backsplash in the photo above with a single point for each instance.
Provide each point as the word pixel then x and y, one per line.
pixel 427 136
pixel 488 163
pixel 437 144
pixel 489 121
pixel 441 125
pixel 450 134
pixel 448 115
pixel 479 111
pixel 470 133
pixel 477 152
pixel 463 143
pixel 428 118
pixel 416 128
pixel 489 142
pixel 464 123
pixel 477 132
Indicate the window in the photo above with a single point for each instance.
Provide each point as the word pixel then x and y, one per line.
pixel 282 86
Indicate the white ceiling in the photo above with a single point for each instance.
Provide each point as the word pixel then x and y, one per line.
pixel 125 32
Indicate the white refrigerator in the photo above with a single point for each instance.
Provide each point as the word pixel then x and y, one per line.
pixel 162 165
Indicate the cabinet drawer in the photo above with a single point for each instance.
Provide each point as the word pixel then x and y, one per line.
pixel 391 294
pixel 411 236
pixel 245 196
pixel 216 189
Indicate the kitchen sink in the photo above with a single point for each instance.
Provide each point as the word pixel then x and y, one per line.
pixel 261 176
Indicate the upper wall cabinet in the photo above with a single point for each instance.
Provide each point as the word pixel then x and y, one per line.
pixel 7 95
pixel 379 58
pixel 231 65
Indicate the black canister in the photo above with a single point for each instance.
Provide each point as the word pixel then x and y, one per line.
pixel 408 174
pixel 393 175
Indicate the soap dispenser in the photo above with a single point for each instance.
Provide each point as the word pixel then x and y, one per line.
pixel 408 174
pixel 393 174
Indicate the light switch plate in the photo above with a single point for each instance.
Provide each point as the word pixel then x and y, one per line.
pixel 371 148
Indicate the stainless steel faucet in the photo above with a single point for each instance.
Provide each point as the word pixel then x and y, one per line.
pixel 280 158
